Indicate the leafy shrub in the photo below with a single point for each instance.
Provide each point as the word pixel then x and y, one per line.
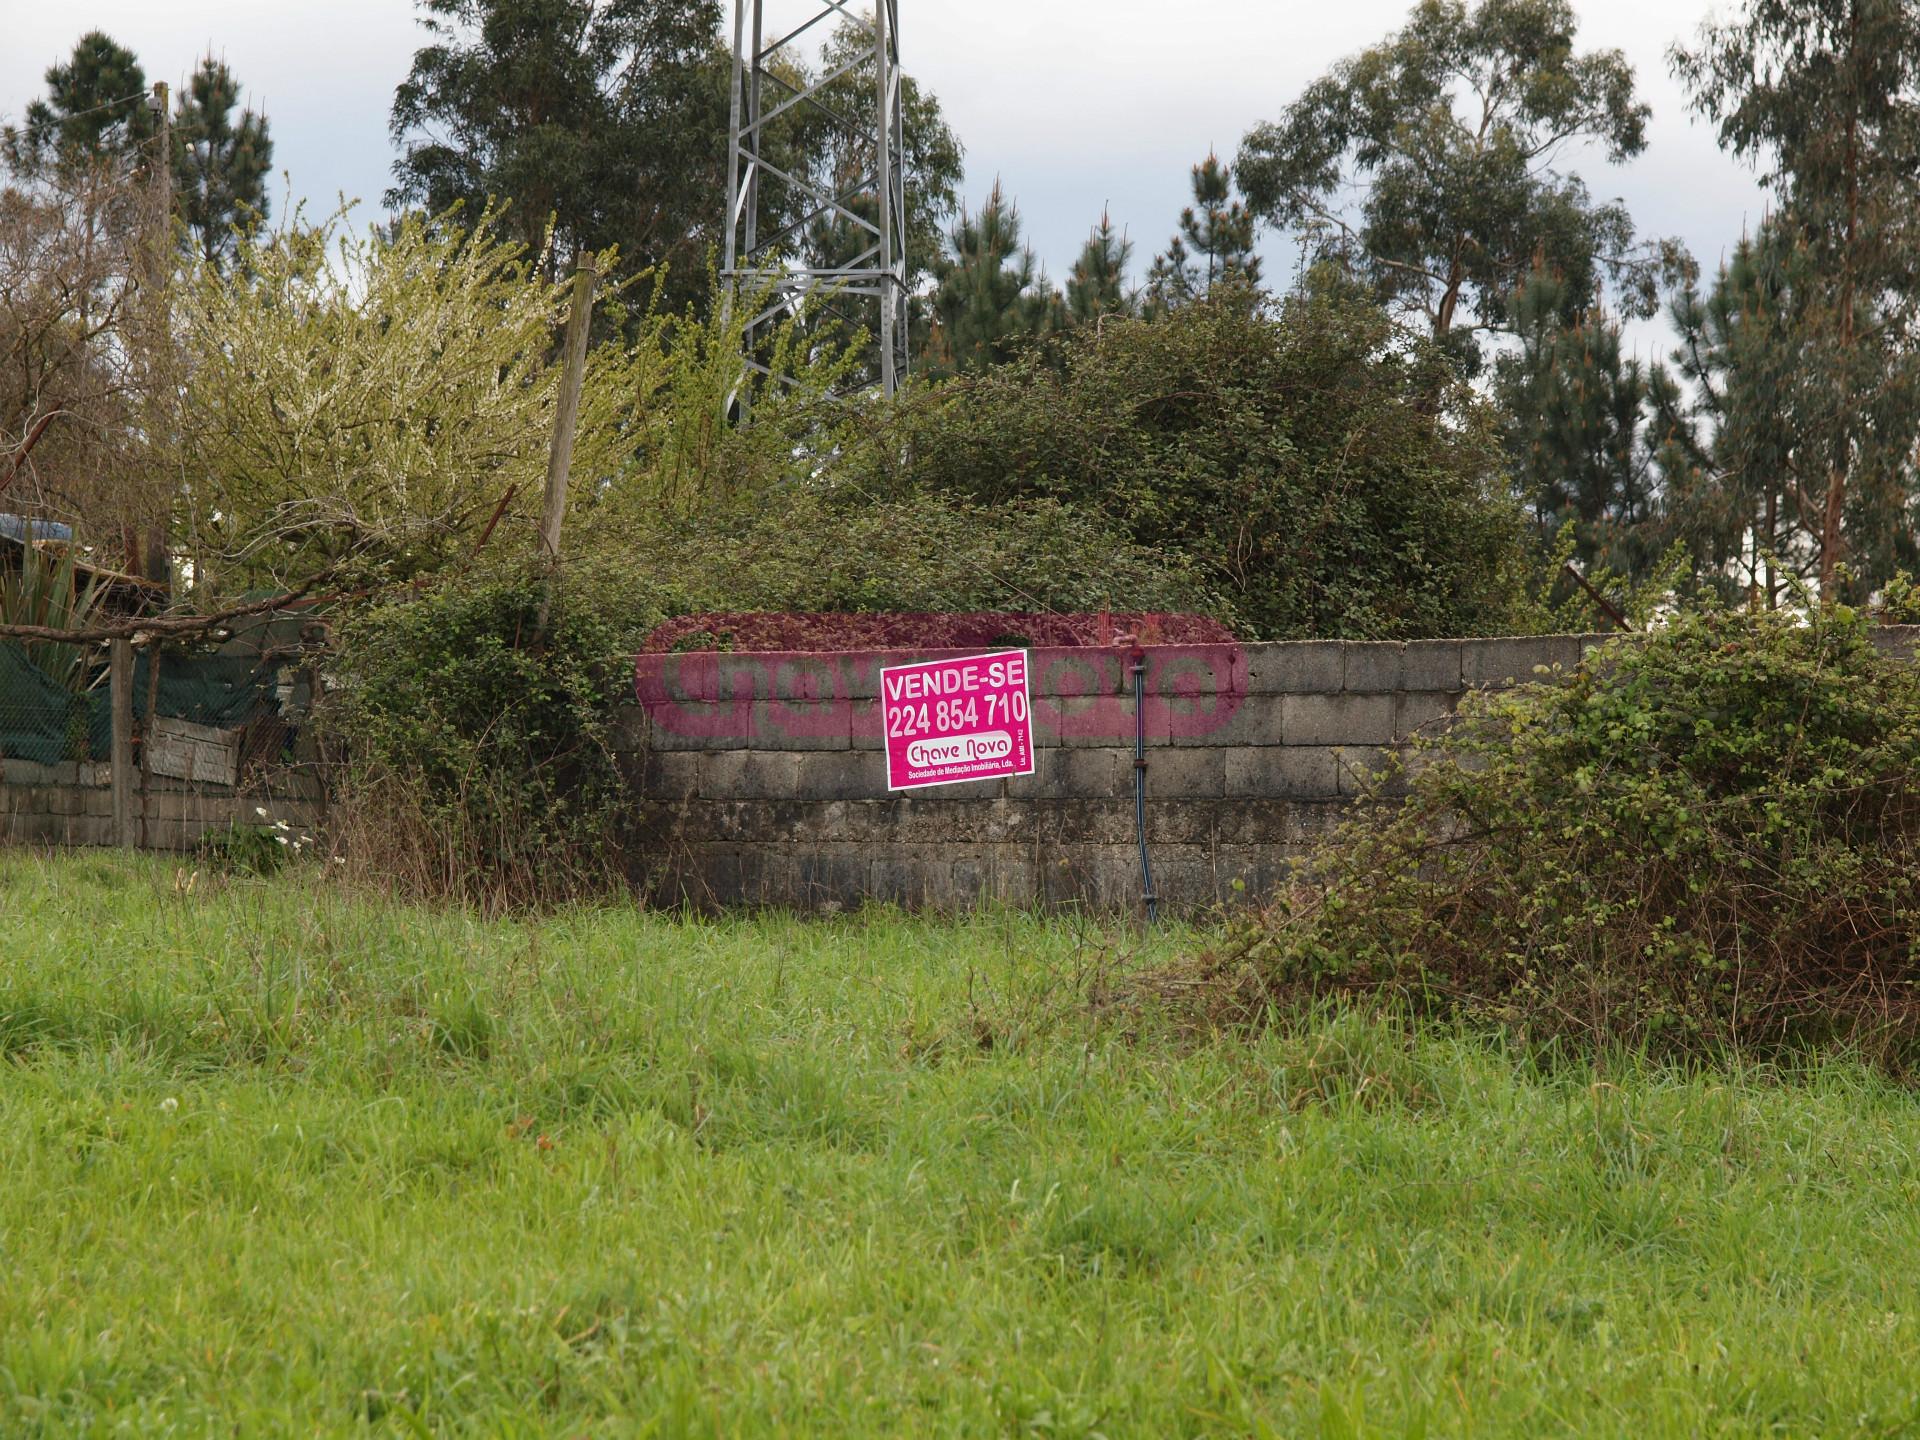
pixel 1322 473
pixel 478 746
pixel 818 548
pixel 1703 839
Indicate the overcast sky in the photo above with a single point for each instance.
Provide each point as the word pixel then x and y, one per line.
pixel 1075 104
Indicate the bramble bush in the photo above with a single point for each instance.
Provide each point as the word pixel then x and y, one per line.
pixel 1701 840
pixel 477 746
pixel 1322 473
pixel 827 548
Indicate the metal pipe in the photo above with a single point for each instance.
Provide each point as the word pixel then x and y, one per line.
pixel 1140 782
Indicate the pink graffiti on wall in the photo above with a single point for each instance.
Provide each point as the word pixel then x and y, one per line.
pixel 1079 691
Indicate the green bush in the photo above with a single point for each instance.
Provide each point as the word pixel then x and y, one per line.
pixel 816 548
pixel 1703 839
pixel 478 745
pixel 1322 472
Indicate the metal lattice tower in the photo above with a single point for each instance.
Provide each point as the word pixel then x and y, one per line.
pixel 771 209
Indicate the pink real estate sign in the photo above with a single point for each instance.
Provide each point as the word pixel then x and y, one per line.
pixel 952 720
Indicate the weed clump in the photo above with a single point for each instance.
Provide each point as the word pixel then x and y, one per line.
pixel 1704 839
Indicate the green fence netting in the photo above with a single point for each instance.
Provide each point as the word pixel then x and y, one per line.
pixel 43 722
pixel 217 690
pixel 40 719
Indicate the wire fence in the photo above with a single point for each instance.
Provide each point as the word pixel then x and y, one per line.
pixel 216 739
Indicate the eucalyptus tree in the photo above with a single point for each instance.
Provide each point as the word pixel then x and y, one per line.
pixel 1452 136
pixel 605 118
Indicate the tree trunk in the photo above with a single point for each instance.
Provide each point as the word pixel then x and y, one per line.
pixel 1830 539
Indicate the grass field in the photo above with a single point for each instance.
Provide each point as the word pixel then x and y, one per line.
pixel 280 1163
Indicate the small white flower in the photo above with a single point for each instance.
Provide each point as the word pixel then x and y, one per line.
pixel 169 1105
pixel 261 811
pixel 279 839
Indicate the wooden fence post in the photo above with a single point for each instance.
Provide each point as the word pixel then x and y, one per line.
pixel 120 678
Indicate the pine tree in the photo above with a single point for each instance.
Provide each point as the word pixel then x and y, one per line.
pixel 991 294
pixel 1214 246
pixel 1747 444
pixel 95 113
pixel 1572 410
pixel 220 163
pixel 1726 445
pixel 1096 286
pixel 1825 95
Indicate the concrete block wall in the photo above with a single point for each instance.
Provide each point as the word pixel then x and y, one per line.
pixel 72 804
pixel 761 778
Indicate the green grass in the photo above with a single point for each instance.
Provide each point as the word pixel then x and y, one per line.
pixel 275 1162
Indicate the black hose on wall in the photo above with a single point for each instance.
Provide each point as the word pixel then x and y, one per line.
pixel 1140 781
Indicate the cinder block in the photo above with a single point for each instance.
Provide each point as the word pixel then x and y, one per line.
pixel 1373 665
pixel 89 830
pixel 814 678
pixel 1186 879
pixel 753 774
pixel 1310 822
pixel 1097 721
pixel 1432 665
pixel 26 828
pixel 1897 641
pixel 950 876
pixel 1337 719
pixel 1292 772
pixel 1512 661
pixel 1257 819
pixel 1419 712
pixel 769 875
pixel 837 775
pixel 1105 877
pixel 1255 719
pixel 799 725
pixel 671 776
pixel 630 727
pixel 699 725
pixel 1068 672
pixel 1070 822
pixel 1296 667
pixel 1180 774
pixel 1262 870
pixel 866 728
pixel 836 875
pixel 1066 773
pixel 979 790
pixel 1370 770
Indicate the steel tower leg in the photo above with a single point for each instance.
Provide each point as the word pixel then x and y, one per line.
pixel 814 160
